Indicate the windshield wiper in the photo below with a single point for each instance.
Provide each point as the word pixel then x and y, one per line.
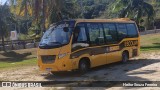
pixel 55 42
pixel 47 46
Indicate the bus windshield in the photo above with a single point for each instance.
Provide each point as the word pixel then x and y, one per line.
pixel 55 37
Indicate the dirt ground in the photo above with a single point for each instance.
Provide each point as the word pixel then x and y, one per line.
pixel 146 67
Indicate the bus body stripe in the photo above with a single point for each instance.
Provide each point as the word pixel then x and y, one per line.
pixel 104 49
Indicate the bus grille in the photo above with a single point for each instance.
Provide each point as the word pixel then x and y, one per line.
pixel 48 59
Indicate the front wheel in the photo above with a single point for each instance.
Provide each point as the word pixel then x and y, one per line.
pixel 125 57
pixel 83 66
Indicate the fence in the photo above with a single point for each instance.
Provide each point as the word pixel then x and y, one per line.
pixel 18 44
pixel 150 32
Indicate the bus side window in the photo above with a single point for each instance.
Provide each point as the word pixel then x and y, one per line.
pixel 122 31
pixel 110 33
pixel 80 37
pixel 132 30
pixel 96 34
pixel 101 35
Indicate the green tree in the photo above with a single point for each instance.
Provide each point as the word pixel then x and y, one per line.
pixel 5 18
pixel 135 9
pixel 45 12
pixel 92 8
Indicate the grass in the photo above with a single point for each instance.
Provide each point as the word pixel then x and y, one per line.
pixel 5 65
pixel 150 42
pixel 18 58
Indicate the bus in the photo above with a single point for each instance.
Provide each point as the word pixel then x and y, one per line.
pixel 82 44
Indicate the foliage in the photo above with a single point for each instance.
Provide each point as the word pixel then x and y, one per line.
pixel 5 18
pixel 93 8
pixel 42 13
pixel 36 15
pixel 23 37
pixel 135 9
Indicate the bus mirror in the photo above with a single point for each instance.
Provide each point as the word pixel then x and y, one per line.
pixel 65 29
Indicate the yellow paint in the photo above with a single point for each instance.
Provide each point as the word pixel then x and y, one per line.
pixel 67 64
pixel 114 48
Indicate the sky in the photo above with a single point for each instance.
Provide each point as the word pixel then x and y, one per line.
pixel 2 1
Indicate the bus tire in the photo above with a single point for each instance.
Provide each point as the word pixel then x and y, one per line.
pixel 125 56
pixel 83 66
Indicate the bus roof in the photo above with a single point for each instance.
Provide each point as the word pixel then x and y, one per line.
pixel 106 20
pixel 121 20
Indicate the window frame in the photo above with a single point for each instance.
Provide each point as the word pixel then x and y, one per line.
pixel 119 39
pixel 116 41
pixel 99 24
pixel 137 34
pixel 79 33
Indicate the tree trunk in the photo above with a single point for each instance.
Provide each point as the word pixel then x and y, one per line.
pixel 25 11
pixel 43 15
pixel 3 42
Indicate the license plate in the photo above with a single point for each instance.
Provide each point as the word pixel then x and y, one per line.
pixel 49 69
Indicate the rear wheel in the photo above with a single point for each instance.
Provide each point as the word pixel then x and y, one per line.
pixel 125 57
pixel 83 66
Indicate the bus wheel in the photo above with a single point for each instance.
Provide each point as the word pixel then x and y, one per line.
pixel 125 57
pixel 83 66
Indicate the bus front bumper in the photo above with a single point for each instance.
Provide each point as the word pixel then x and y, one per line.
pixel 49 68
pixel 54 67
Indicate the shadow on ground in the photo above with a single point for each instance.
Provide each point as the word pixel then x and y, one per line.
pixel 13 56
pixel 111 72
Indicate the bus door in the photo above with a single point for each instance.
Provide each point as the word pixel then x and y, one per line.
pixel 113 54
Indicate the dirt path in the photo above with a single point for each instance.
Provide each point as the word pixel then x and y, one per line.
pixel 146 67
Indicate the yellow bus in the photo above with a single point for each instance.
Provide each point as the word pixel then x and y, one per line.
pixel 86 43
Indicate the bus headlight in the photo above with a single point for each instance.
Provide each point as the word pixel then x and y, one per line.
pixel 62 55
